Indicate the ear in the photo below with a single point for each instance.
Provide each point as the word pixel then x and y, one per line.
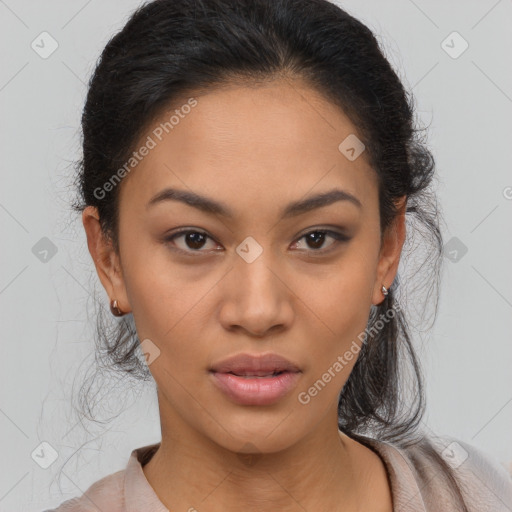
pixel 391 249
pixel 106 259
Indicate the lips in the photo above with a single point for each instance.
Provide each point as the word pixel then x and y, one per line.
pixel 246 365
pixel 255 380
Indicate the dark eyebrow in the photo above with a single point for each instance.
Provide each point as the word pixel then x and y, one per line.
pixel 208 205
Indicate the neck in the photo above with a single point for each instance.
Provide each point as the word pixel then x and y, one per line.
pixel 318 472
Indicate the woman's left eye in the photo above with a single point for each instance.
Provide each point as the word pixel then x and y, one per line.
pixel 192 241
pixel 315 239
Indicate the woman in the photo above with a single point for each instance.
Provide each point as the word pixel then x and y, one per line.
pixel 248 172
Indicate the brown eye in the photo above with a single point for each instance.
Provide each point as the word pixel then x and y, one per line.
pixel 194 240
pixel 316 239
pixel 190 240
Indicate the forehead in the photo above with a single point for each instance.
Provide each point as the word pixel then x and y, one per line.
pixel 243 144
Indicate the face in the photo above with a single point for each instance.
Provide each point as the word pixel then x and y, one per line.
pixel 248 272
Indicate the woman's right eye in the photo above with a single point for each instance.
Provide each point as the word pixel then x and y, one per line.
pixel 190 240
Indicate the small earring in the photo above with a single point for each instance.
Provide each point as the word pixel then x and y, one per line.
pixel 115 309
pixel 384 291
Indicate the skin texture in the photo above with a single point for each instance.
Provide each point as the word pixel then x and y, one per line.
pixel 256 149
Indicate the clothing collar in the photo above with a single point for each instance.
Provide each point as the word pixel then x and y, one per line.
pixel 138 493
pixel 404 486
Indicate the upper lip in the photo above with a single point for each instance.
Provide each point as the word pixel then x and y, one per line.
pixel 258 364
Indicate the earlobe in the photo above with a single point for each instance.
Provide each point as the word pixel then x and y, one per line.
pixel 384 291
pixel 114 308
pixel 390 254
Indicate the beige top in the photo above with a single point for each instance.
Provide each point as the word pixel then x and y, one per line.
pixel 486 485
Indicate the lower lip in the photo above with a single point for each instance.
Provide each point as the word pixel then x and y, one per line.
pixel 255 390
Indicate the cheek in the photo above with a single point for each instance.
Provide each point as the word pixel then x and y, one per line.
pixel 170 309
pixel 164 303
pixel 158 292
pixel 342 296
pixel 342 301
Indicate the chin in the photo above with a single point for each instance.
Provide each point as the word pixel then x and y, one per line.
pixel 256 431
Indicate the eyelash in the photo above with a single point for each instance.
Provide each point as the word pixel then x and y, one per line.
pixel 338 237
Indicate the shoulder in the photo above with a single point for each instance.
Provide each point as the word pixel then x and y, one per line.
pixel 437 461
pixel 104 494
pixel 431 473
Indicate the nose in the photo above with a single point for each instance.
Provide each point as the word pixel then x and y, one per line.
pixel 256 297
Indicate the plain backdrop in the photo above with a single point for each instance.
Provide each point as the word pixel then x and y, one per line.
pixel 46 306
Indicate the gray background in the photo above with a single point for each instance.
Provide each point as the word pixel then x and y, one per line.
pixel 44 306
